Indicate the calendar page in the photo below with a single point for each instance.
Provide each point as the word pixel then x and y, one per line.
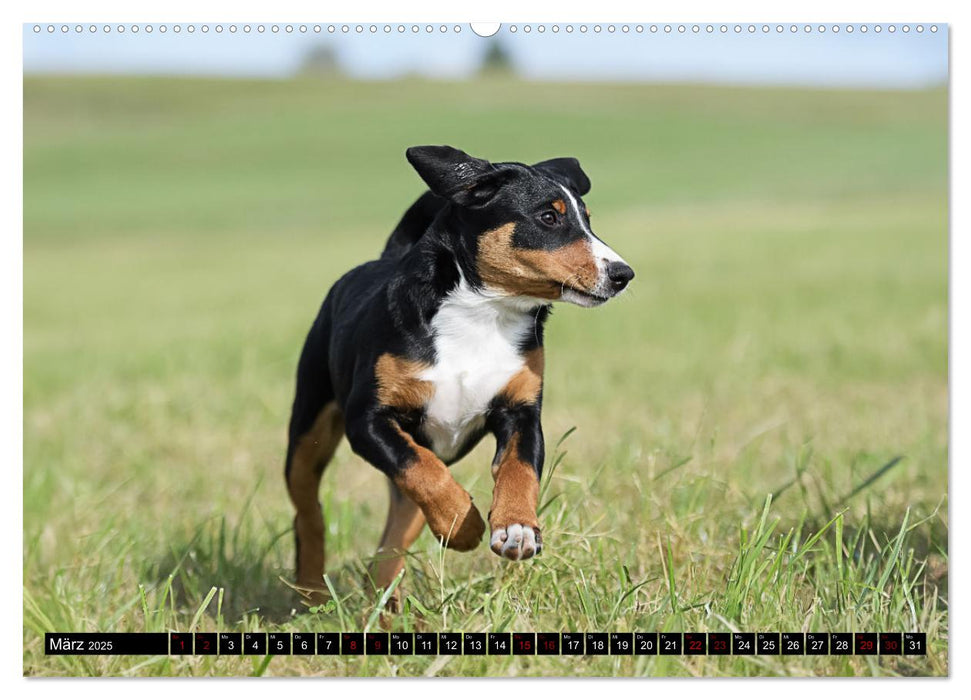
pixel 485 350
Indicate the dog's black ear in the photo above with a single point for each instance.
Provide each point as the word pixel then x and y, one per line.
pixel 456 175
pixel 567 172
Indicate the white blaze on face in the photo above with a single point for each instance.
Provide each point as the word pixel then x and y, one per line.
pixel 602 253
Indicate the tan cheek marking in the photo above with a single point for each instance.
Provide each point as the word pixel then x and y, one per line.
pixel 574 263
pixel 502 267
pixel 526 384
pixel 398 382
pixel 536 273
pixel 560 206
pixel 516 492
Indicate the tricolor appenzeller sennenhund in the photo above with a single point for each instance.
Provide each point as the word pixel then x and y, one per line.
pixel 417 355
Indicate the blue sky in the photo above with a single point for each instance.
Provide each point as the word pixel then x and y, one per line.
pixel 857 59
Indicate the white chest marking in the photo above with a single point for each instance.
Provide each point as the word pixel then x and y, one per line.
pixel 476 346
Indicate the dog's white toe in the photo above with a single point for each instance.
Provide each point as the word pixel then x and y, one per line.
pixel 516 542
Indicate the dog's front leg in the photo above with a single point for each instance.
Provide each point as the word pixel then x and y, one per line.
pixel 516 469
pixel 419 475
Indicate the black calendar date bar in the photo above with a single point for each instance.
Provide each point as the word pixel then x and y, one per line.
pixel 106 644
pixel 486 644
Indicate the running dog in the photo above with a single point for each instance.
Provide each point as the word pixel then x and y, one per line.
pixel 417 355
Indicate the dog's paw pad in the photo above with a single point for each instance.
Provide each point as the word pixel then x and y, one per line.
pixel 516 542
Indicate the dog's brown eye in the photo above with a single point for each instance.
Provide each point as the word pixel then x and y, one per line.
pixel 548 218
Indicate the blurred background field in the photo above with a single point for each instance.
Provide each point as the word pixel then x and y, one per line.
pixel 786 334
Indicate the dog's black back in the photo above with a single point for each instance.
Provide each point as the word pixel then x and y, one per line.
pixel 413 224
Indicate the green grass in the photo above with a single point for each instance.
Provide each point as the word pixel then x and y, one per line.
pixel 786 336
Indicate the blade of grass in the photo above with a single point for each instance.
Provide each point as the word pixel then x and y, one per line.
pixel 385 597
pixel 202 608
pixel 337 602
pixel 873 477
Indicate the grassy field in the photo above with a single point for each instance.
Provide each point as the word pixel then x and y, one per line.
pixel 786 336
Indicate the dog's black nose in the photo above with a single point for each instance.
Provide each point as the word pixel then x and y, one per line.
pixel 619 274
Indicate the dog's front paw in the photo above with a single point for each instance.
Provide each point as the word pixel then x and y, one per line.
pixel 516 541
pixel 459 527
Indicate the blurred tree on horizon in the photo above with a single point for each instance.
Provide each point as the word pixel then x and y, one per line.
pixel 321 61
pixel 497 60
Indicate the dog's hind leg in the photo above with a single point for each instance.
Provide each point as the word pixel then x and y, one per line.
pixel 405 522
pixel 310 449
